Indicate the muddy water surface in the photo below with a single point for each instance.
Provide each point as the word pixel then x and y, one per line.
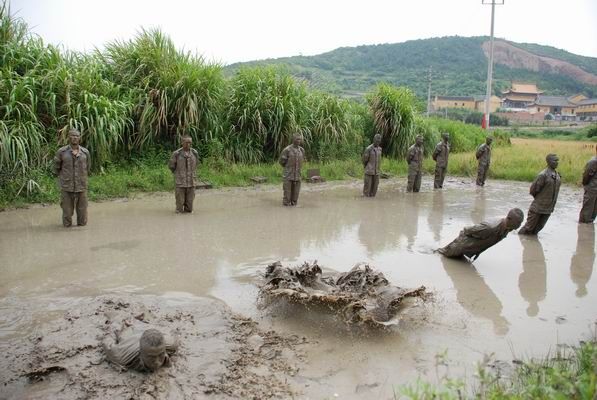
pixel 521 297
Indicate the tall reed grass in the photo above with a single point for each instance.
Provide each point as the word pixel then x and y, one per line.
pixel 141 95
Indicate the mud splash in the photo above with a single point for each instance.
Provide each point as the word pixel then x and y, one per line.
pixel 221 354
pixel 360 296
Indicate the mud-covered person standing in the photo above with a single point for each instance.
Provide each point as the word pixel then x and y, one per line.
pixel 544 189
pixel 372 162
pixel 440 156
pixel 183 165
pixel 414 159
pixel 589 201
pixel 72 164
pixel 292 159
pixel 484 157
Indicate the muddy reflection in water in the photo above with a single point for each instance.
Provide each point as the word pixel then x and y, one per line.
pixel 583 260
pixel 532 281
pixel 474 295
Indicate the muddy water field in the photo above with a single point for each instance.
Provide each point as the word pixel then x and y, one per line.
pixel 198 277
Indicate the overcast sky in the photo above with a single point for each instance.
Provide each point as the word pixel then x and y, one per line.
pixel 228 31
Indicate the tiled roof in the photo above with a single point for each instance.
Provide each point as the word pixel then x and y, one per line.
pixel 457 98
pixel 481 97
pixel 588 101
pixel 520 97
pixel 523 88
pixel 553 101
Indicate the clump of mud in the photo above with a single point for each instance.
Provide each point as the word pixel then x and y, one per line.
pixel 221 354
pixel 361 296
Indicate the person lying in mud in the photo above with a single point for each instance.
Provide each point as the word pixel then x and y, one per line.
pixel 144 352
pixel 475 239
pixel 360 296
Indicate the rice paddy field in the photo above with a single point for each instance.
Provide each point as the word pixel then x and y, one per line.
pixel 526 157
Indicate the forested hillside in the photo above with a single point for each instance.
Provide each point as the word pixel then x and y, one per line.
pixel 459 67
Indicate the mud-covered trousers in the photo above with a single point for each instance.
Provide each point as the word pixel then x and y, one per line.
pixel 535 222
pixel 291 192
pixel 184 199
pixel 440 175
pixel 482 174
pixel 71 201
pixel 371 182
pixel 589 208
pixel 414 180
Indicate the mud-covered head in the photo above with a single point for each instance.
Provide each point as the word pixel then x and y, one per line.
pixel 419 140
pixel 552 160
pixel 187 142
pixel 74 137
pixel 297 139
pixel 153 349
pixel 488 140
pixel 445 136
pixel 514 219
pixel 377 139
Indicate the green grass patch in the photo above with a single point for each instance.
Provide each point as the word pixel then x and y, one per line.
pixel 567 374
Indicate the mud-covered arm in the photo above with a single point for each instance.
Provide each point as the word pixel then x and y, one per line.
pixel 410 155
pixel 57 163
pixel 438 149
pixel 284 157
pixel 172 162
pixel 480 151
pixel 537 185
pixel 88 162
pixel 479 231
pixel 366 156
pixel 125 353
pixel 196 154
pixel 590 171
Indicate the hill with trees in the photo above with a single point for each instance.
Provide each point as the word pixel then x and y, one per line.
pixel 459 67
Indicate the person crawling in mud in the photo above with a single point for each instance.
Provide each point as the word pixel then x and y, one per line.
pixel 361 296
pixel 144 352
pixel 475 239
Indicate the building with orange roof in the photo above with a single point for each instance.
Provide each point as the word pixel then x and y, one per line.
pixel 520 95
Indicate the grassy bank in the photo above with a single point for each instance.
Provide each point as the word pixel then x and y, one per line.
pixel 526 157
pixel 521 161
pixel 556 133
pixel 567 374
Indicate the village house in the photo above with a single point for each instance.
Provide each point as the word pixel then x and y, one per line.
pixel 520 95
pixel 441 102
pixel 473 103
pixel 586 110
pixel 559 106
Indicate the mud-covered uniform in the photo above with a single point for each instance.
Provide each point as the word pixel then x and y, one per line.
pixel 72 169
pixel 125 351
pixel 292 159
pixel 484 157
pixel 545 189
pixel 475 239
pixel 183 165
pixel 589 200
pixel 414 159
pixel 440 155
pixel 372 163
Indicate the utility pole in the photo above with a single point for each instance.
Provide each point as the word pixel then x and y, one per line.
pixel 429 93
pixel 493 3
